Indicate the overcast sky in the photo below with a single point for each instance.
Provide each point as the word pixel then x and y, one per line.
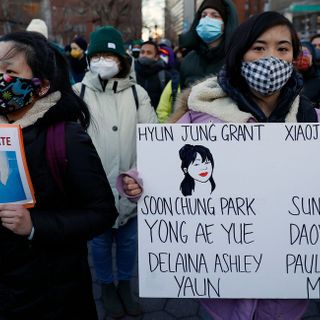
pixel 153 14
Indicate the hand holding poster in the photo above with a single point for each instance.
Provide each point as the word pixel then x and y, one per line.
pixel 229 210
pixel 15 183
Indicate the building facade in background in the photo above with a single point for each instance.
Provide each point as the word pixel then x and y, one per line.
pixel 305 15
pixel 179 15
pixel 67 18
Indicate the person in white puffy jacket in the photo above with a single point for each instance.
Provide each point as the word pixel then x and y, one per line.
pixel 117 104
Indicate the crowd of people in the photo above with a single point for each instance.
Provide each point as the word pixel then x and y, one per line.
pixel 93 93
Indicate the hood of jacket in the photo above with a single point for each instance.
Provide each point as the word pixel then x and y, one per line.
pixel 93 81
pixel 170 53
pixel 191 41
pixel 210 97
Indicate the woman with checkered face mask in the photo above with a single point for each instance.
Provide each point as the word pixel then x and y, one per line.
pixel 257 84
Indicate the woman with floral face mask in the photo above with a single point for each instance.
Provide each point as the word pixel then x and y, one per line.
pixel 44 271
pixel 257 84
pixel 116 105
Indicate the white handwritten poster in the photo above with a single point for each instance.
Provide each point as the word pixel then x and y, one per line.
pixel 229 210
pixel 15 182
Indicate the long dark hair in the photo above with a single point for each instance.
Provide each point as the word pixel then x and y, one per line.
pixel 47 63
pixel 188 154
pixel 245 36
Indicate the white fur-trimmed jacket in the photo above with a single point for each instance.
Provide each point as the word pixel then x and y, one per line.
pixel 113 128
pixel 206 99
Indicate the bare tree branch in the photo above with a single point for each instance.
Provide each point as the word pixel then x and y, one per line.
pixel 70 17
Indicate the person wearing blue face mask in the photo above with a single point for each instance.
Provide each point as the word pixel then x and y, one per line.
pixel 315 40
pixel 213 25
pixel 205 42
pixel 210 26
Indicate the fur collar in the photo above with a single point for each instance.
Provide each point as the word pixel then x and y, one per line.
pixel 37 111
pixel 208 97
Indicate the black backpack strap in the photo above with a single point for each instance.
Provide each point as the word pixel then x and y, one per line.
pixel 135 95
pixel 174 88
pixel 82 90
pixel 162 78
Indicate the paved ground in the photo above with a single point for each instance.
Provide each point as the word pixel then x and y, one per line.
pixel 171 309
pixel 154 309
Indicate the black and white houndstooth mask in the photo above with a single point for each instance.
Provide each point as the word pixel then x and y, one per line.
pixel 266 75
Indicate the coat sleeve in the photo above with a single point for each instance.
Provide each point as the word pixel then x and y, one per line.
pixel 88 208
pixel 76 88
pixel 164 108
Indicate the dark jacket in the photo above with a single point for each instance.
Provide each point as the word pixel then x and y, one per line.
pixel 311 88
pixel 153 78
pixel 78 68
pixel 311 77
pixel 49 277
pixel 202 61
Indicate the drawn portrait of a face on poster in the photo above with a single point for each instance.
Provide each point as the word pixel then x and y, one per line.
pixel 197 165
pixel 11 188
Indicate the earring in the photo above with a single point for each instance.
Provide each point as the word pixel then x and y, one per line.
pixel 44 90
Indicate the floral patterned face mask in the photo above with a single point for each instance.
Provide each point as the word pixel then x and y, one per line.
pixel 16 93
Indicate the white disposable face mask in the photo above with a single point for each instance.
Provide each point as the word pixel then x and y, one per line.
pixel 106 68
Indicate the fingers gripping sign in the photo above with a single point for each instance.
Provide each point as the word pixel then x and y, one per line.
pixel 16 218
pixel 130 186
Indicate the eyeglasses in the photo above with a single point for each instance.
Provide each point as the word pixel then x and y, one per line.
pixel 99 56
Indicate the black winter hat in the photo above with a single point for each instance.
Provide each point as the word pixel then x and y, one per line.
pixel 81 43
pixel 218 5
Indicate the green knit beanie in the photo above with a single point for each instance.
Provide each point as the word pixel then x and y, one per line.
pixel 106 39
